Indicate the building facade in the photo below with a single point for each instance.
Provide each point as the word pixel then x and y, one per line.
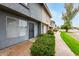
pixel 53 25
pixel 20 22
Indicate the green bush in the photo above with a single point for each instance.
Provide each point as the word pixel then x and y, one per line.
pixel 50 32
pixel 55 30
pixel 41 35
pixel 44 46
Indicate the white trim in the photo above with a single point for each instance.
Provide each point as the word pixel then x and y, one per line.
pixel 11 17
pixel 6 24
pixel 17 20
pixel 6 20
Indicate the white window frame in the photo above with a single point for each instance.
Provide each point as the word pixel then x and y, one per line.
pixel 22 27
pixel 7 24
pixel 19 35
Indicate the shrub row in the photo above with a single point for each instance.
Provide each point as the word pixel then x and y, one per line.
pixel 50 32
pixel 44 45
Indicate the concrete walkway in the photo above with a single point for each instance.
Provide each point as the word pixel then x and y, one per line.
pixel 61 49
pixel 21 49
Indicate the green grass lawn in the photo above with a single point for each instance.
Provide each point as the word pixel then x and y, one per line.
pixel 71 42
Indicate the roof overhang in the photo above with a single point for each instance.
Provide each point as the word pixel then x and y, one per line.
pixel 47 9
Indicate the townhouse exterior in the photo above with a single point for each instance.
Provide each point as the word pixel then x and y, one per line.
pixel 53 25
pixel 20 22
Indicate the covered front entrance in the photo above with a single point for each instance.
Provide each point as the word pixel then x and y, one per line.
pixel 31 30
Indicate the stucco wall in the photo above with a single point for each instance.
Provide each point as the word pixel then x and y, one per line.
pixel 45 17
pixel 17 7
pixel 35 30
pixel 35 11
pixel 4 41
pixel 2 28
pixel 38 12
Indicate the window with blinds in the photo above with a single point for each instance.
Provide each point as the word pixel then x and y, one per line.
pixel 16 27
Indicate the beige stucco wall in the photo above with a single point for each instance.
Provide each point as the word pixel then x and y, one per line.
pixel 45 17
pixel 17 7
pixel 38 12
pixel 35 11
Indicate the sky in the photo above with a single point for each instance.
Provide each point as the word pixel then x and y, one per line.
pixel 56 11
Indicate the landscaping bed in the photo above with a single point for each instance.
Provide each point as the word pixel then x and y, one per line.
pixel 71 42
pixel 44 45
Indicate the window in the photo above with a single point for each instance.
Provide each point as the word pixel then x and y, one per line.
pixel 12 27
pixel 15 27
pixel 22 27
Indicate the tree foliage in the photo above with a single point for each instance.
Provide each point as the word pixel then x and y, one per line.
pixel 68 15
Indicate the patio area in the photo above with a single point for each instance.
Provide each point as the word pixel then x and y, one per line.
pixel 21 49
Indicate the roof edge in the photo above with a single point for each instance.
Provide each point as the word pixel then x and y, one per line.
pixel 47 9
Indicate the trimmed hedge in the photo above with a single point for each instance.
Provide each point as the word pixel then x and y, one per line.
pixel 44 45
pixel 50 32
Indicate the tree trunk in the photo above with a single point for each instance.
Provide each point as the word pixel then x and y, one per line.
pixel 66 30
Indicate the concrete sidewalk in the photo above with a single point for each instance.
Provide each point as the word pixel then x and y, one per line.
pixel 61 49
